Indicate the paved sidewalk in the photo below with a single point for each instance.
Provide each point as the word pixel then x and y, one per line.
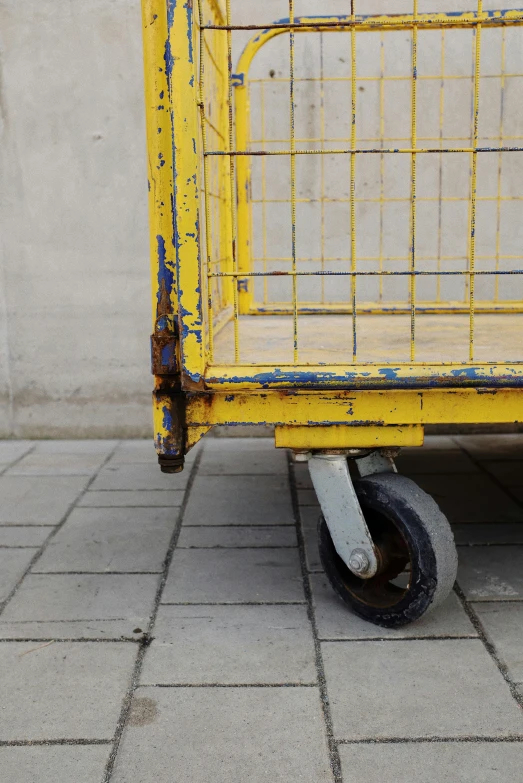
pixel 179 628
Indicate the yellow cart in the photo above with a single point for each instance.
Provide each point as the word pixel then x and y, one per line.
pixel 336 242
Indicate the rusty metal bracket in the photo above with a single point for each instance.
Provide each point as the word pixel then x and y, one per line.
pixel 163 353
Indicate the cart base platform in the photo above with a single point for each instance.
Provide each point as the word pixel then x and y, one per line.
pixel 327 339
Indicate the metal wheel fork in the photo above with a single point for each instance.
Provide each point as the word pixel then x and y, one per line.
pixel 341 509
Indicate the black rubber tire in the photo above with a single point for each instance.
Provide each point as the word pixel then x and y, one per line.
pixel 406 525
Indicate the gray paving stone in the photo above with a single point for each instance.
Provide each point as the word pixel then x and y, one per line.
pixel 503 624
pixel 242 456
pixel 239 500
pixel 54 764
pixel 491 573
pixel 433 762
pixel 234 576
pixel 64 690
pixel 10 450
pixel 226 537
pixel 436 443
pixel 133 499
pixel 225 735
pixel 16 536
pixel 57 464
pixel 507 472
pixel 412 462
pixel 85 446
pixel 82 606
pixel 38 500
pixel 138 476
pixel 507 446
pixel 401 689
pixel 136 451
pixel 470 498
pixel 336 621
pixel 489 534
pixel 231 645
pixel 13 563
pixel 110 539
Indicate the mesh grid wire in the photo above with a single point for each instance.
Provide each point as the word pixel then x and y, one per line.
pixel 384 162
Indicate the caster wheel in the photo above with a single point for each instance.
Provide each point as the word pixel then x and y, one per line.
pixel 417 559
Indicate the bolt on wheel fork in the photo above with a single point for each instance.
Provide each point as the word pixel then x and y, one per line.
pixel 340 506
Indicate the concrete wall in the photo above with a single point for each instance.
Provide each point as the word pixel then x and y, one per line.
pixel 74 279
pixel 74 286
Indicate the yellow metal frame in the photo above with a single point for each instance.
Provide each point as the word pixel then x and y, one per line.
pixel 311 406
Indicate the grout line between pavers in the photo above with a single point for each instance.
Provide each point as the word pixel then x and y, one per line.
pixel 83 639
pixel 334 756
pixel 95 573
pixel 14 546
pixel 489 646
pixel 278 685
pixel 442 638
pixel 127 701
pixel 233 603
pixel 19 459
pixel 181 490
pixel 51 742
pixel 251 527
pixel 223 546
pixel 434 739
pixel 24 525
pixel 55 530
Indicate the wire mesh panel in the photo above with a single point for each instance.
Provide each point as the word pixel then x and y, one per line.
pixel 362 187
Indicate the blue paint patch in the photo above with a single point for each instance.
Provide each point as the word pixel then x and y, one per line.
pixel 189 11
pixel 165 274
pixel 161 95
pixel 390 373
pixel 167 422
pixel 169 356
pixel 243 285
pixel 168 55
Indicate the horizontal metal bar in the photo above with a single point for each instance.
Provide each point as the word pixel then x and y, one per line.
pixel 381 273
pixel 356 408
pixel 436 307
pixel 385 375
pixel 343 436
pixel 344 259
pixel 359 151
pixel 391 22
pixel 385 78
pixel 386 200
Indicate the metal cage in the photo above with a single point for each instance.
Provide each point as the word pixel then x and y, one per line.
pixel 336 222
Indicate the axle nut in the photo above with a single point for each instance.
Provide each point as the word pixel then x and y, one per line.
pixel 359 562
